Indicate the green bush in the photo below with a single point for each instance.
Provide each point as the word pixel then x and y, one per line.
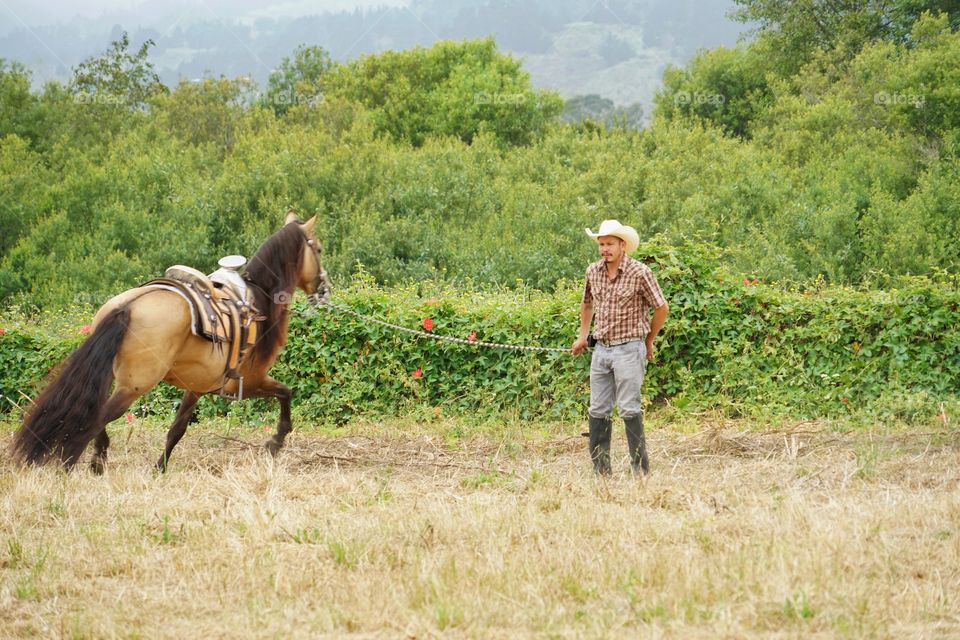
pixel 27 358
pixel 737 345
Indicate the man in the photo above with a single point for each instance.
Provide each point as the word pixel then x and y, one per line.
pixel 617 296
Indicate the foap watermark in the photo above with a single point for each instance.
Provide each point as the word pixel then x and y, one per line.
pixel 283 297
pixel 483 97
pixel 91 299
pixel 289 99
pixel 100 97
pixel 888 99
pixel 696 98
pixel 303 310
pixel 901 298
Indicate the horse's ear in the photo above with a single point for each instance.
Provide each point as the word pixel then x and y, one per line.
pixel 290 217
pixel 309 225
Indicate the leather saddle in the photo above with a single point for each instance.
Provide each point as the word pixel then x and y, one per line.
pixel 221 314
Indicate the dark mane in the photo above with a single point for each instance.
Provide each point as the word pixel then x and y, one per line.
pixel 273 270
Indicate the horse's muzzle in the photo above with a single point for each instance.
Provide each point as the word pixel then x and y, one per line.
pixel 322 290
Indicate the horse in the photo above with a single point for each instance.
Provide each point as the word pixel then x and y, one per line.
pixel 143 336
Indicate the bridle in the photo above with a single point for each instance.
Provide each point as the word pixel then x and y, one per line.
pixel 320 284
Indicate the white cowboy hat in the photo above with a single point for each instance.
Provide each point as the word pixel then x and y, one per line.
pixel 622 231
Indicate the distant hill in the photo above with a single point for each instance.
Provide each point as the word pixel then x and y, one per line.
pixel 613 49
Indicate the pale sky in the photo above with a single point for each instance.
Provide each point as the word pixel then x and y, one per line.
pixel 17 13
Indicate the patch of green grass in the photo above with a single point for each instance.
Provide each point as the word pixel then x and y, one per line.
pixel 798 608
pixel 483 479
pixel 14 553
pixel 311 535
pixel 573 587
pixel 448 616
pixel 868 460
pixel 25 586
pixel 343 554
pixel 165 533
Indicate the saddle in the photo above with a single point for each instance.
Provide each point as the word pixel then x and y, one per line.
pixel 221 313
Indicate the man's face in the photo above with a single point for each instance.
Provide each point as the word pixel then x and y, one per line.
pixel 611 248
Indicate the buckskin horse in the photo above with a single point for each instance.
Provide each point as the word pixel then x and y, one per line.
pixel 144 335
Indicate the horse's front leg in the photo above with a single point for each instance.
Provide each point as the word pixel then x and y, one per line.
pixel 270 388
pixel 178 428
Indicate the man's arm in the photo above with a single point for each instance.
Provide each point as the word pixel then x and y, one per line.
pixel 586 317
pixel 659 317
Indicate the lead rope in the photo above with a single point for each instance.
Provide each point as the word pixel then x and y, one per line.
pixel 318 300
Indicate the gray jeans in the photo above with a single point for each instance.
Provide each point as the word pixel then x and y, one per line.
pixel 616 374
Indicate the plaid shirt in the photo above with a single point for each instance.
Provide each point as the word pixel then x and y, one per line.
pixel 621 307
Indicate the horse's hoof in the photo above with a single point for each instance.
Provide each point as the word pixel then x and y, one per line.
pixel 97 466
pixel 273 446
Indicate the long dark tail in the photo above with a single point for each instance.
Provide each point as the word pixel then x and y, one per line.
pixel 64 418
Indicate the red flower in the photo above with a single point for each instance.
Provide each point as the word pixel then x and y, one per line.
pixel 129 417
pixel 472 337
pixel 427 324
pixel 418 373
pixel 755 281
pixel 746 281
pixel 2 331
pixel 85 329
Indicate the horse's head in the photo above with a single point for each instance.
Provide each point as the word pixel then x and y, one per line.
pixel 312 277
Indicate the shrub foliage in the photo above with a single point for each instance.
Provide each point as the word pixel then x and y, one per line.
pixel 729 343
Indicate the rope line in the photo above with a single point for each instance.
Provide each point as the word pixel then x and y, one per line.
pixel 320 301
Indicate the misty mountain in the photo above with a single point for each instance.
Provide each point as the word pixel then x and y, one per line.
pixel 615 50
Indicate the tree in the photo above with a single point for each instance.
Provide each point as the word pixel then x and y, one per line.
pixel 206 111
pixel 798 28
pixel 118 77
pixel 451 89
pixel 727 87
pixel 23 189
pixel 595 108
pixel 588 107
pixel 108 90
pixel 17 104
pixel 297 81
pixel 921 233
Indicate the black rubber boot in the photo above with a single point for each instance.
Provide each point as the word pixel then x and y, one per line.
pixel 600 445
pixel 637 444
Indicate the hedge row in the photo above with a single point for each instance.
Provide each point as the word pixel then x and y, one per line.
pixel 736 344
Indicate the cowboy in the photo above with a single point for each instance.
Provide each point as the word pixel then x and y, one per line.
pixel 617 296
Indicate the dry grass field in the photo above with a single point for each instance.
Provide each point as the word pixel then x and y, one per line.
pixel 402 530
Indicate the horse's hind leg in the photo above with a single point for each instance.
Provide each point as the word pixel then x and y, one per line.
pixel 179 427
pixel 116 406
